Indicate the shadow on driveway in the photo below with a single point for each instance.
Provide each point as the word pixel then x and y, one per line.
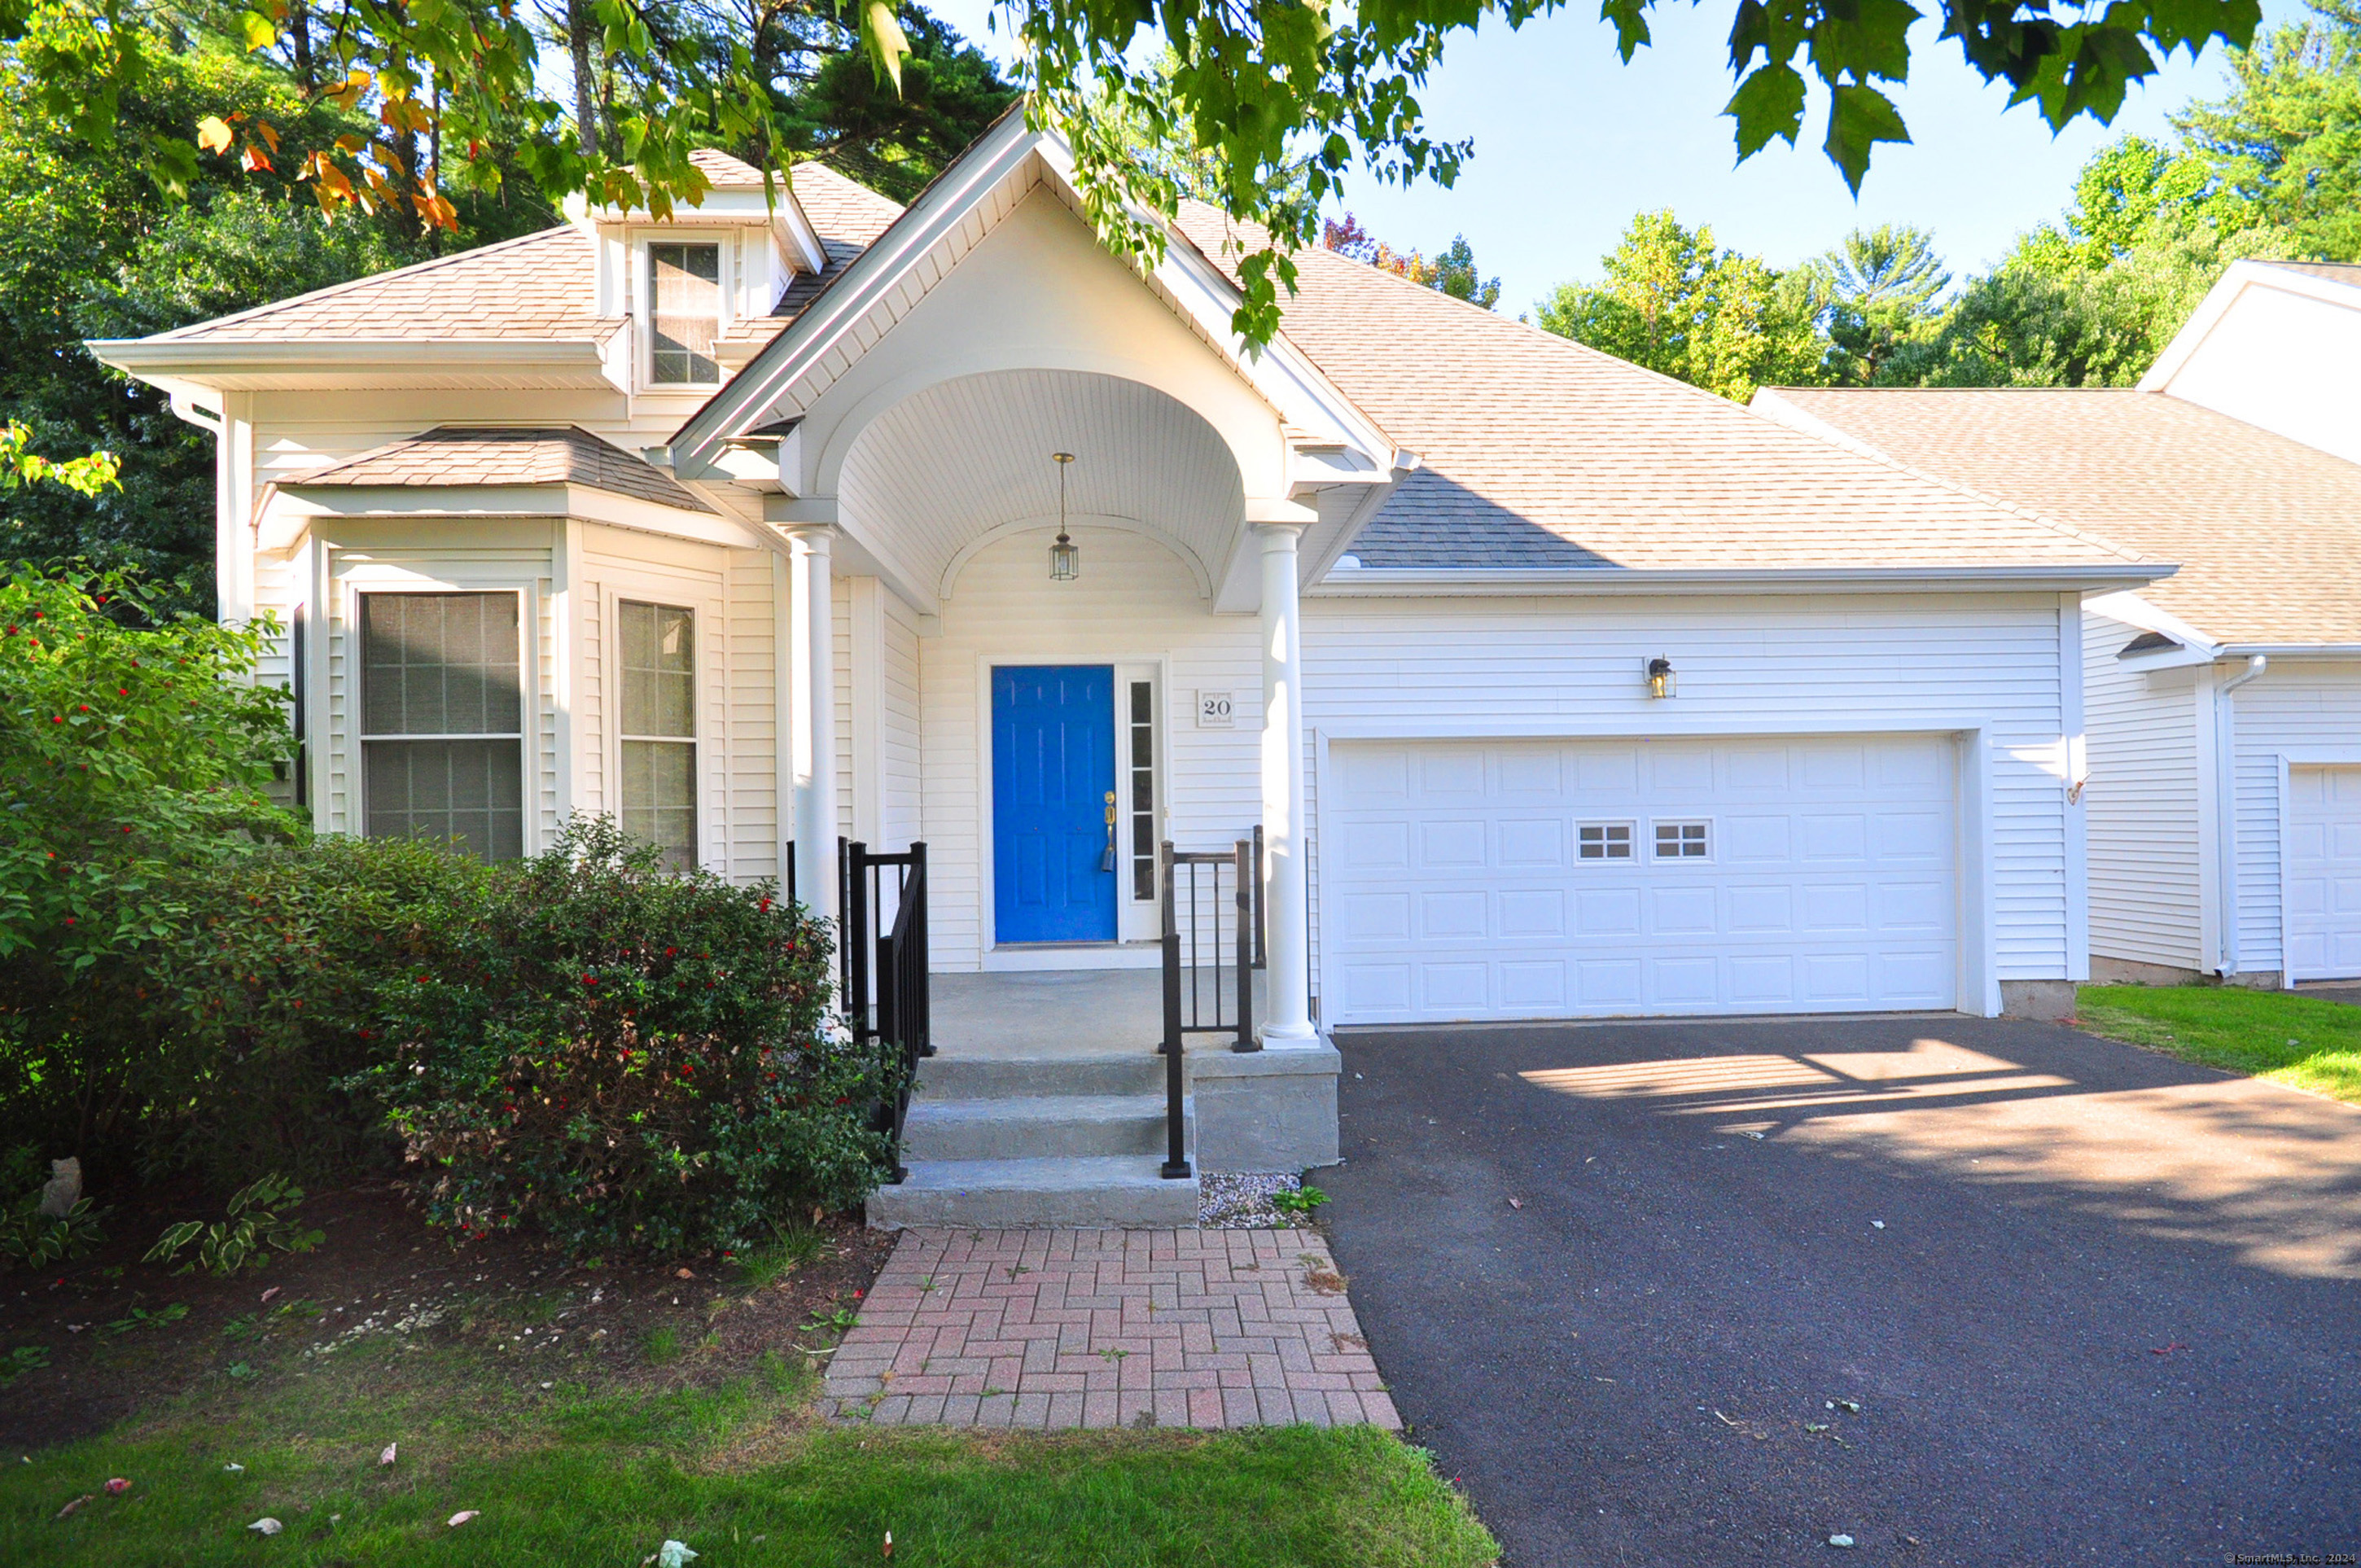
pixel 2112 1314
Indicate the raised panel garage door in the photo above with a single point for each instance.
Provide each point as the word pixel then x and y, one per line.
pixel 2324 874
pixel 1550 879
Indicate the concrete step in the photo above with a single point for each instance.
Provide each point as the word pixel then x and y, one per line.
pixel 1102 1192
pixel 1028 1126
pixel 953 1077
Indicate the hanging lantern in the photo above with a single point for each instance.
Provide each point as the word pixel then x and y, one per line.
pixel 1065 556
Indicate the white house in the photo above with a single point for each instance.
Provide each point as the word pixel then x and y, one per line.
pixel 2223 703
pixel 673 520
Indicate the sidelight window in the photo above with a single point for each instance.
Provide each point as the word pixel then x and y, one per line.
pixel 1141 757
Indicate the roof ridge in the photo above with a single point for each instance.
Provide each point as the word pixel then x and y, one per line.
pixel 367 279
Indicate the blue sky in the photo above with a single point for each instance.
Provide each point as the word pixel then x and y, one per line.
pixel 1570 143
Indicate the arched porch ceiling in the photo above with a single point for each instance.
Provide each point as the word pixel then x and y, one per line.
pixel 968 458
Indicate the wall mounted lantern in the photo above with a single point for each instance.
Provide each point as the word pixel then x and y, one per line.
pixel 1065 556
pixel 1661 681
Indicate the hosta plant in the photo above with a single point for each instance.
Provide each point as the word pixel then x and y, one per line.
pixel 259 1222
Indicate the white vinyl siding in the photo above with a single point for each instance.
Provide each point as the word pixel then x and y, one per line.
pixel 752 716
pixel 1134 601
pixel 1439 667
pixel 2143 805
pixel 2295 705
pixel 899 748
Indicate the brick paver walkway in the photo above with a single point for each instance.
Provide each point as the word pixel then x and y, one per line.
pixel 1107 1328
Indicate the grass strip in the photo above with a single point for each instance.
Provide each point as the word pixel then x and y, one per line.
pixel 2301 1041
pixel 575 1476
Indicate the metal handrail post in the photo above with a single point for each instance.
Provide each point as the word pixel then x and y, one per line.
pixel 1176 1152
pixel 1261 955
pixel 1245 896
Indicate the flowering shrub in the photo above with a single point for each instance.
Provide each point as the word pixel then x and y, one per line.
pixel 621 1056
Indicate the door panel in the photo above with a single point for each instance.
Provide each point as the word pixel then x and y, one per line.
pixel 1052 769
pixel 1526 879
pixel 2324 874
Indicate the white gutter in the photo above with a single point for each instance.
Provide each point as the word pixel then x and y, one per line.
pixel 185 406
pixel 2225 805
pixel 1389 581
pixel 195 361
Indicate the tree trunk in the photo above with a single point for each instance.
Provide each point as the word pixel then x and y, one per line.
pixel 581 27
pixel 299 33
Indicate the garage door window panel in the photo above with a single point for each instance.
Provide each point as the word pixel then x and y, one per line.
pixel 1685 838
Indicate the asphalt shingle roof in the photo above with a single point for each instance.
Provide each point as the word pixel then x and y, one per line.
pixel 2267 531
pixel 539 286
pixel 455 455
pixel 1537 451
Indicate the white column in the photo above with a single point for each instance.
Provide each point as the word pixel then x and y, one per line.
pixel 1287 1006
pixel 815 737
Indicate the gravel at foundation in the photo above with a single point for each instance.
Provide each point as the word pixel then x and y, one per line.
pixel 1242 1202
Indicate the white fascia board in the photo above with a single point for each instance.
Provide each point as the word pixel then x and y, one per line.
pixel 1489 582
pixel 578 501
pixel 2279 653
pixel 2240 276
pixel 213 363
pixel 793 225
pixel 846 301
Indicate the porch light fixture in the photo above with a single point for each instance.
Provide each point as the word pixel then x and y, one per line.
pixel 1661 681
pixel 1065 556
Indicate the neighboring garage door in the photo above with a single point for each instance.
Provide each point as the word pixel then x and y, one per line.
pixel 2324 874
pixel 1543 879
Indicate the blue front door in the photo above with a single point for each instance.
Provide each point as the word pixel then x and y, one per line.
pixel 1052 771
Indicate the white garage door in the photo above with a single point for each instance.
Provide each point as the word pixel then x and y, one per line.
pixel 1543 878
pixel 2324 874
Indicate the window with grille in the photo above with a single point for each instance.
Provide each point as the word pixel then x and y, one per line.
pixel 684 314
pixel 1604 841
pixel 443 719
pixel 1142 730
pixel 1682 841
pixel 658 793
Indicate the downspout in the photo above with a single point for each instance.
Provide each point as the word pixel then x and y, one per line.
pixel 2225 805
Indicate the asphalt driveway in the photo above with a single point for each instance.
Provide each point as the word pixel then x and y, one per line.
pixel 1628 1281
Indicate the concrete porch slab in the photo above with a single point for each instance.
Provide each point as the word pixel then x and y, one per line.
pixel 1050 1013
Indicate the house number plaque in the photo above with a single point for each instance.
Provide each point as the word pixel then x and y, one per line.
pixel 1213 711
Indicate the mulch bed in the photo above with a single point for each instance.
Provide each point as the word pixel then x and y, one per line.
pixel 120 1335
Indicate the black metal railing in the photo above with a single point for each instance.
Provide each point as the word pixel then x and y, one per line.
pixel 1208 918
pixel 882 964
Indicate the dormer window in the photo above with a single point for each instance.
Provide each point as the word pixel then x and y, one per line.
pixel 684 314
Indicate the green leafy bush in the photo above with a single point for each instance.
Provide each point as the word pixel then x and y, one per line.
pixel 217 1041
pixel 622 1057
pixel 258 1225
pixel 129 746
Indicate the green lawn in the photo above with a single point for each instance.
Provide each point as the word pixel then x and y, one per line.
pixel 2300 1041
pixel 578 1475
